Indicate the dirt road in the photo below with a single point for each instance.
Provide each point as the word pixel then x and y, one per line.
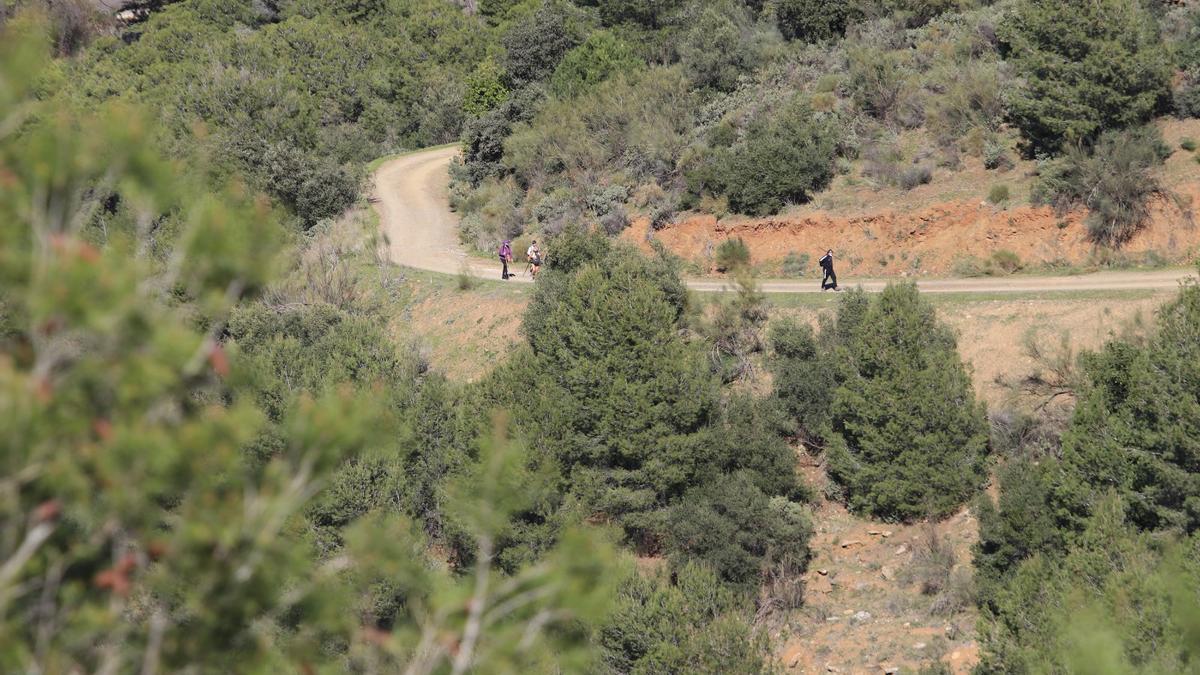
pixel 420 231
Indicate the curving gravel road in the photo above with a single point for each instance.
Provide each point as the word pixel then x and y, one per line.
pixel 411 196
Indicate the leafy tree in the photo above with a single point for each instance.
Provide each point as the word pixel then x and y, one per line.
pixel 652 14
pixel 1134 427
pixel 786 157
pixel 601 55
pixel 1116 178
pixel 815 20
pixel 132 533
pixel 1087 67
pixel 716 49
pixel 803 377
pixel 692 625
pixel 1117 602
pixel 1018 525
pixel 536 42
pixel 485 89
pixel 736 529
pixel 884 388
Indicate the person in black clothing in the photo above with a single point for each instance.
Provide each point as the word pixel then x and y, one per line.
pixel 830 279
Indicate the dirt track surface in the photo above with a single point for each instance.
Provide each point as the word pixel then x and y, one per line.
pixel 420 231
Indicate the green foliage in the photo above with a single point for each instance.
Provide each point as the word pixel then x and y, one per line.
pixel 135 536
pixel 536 42
pixel 1088 68
pixel 905 438
pixel 693 625
pixel 736 529
pixel 632 123
pixel 485 89
pixel 601 56
pixel 804 380
pixel 732 255
pixel 999 194
pixel 796 264
pixel 714 51
pixel 785 158
pixel 1188 144
pixel 1018 525
pixel 1134 427
pixel 298 103
pixel 1118 602
pixel 628 413
pixel 1115 179
pixel 312 349
pixel 815 20
pixel 648 13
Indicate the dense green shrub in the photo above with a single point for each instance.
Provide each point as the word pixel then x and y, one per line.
pixel 1016 526
pixel 1088 68
pixel 732 255
pixel 690 625
pixel 629 414
pixel 1117 601
pixel 737 530
pixel 804 379
pixel 296 101
pixel 785 158
pixel 815 20
pixel 536 42
pixel 601 56
pixel 635 123
pixel 1115 179
pixel 886 391
pixel 1135 427
pixel 647 13
pixel 714 51
pixel 999 194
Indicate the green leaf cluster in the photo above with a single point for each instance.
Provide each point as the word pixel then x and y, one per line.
pixel 886 391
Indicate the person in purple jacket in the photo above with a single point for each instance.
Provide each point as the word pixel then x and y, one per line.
pixel 505 257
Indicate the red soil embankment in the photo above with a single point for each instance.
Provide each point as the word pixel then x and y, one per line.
pixel 933 240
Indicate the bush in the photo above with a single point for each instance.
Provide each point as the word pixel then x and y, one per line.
pixel 715 52
pixel 785 158
pixel 737 530
pixel 1186 96
pixel 815 20
pixel 803 377
pixel 1188 144
pixel 1006 261
pixel 1115 179
pixel 601 56
pixel 1088 67
pixel 796 264
pixel 995 157
pixel 998 194
pixel 732 255
pixel 691 625
pixel 1117 599
pixel 1135 424
pixel 534 45
pixel 913 176
pixel 908 439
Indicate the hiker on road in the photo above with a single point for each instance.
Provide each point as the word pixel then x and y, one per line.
pixel 830 279
pixel 505 257
pixel 534 254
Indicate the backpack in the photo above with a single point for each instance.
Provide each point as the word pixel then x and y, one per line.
pixel 505 251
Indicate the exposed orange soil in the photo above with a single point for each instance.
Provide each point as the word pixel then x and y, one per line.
pixel 865 566
pixel 880 231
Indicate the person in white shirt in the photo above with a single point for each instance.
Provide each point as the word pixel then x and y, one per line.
pixel 534 255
